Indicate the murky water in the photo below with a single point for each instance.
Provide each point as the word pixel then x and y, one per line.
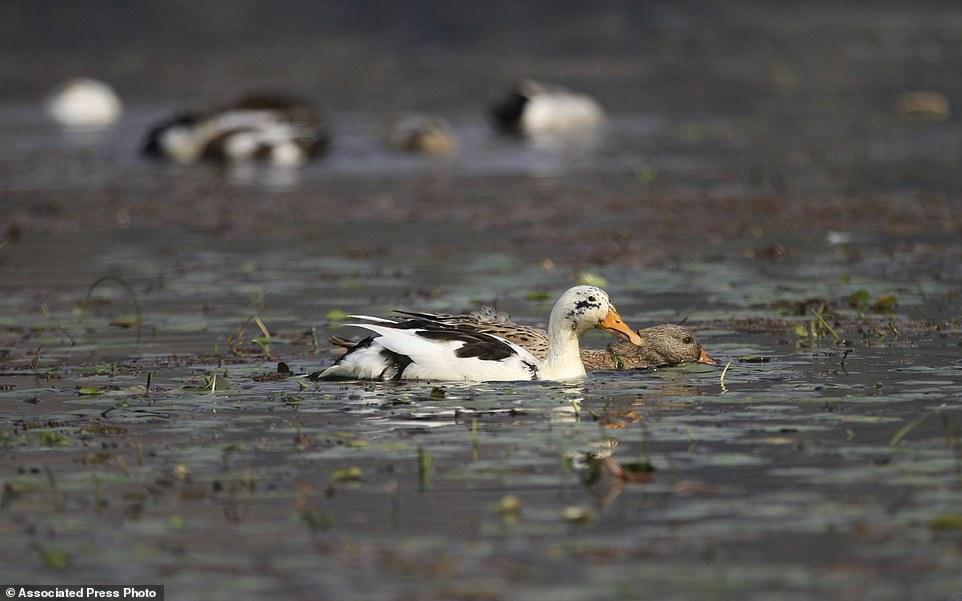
pixel 748 184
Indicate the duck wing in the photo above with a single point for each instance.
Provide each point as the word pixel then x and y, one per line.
pixel 490 321
pixel 425 349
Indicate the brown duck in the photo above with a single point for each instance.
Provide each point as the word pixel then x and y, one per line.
pixel 661 345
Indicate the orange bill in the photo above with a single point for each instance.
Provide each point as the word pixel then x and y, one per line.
pixel 614 324
pixel 704 358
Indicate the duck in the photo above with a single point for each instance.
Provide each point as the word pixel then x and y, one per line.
pixel 425 134
pixel 420 347
pixel 278 130
pixel 535 109
pixel 83 102
pixel 661 345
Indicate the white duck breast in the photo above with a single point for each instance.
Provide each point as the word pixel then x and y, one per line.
pixel 560 113
pixel 423 348
pixel 535 109
pixel 84 102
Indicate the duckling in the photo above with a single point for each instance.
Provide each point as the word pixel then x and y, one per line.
pixel 426 134
pixel 536 109
pixel 83 102
pixel 273 129
pixel 661 346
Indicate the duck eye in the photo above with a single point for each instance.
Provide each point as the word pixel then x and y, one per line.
pixel 592 299
pixel 688 340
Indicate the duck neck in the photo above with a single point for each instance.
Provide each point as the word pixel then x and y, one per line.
pixel 564 353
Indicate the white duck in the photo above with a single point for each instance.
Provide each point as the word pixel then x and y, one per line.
pixel 84 103
pixel 425 349
pixel 536 109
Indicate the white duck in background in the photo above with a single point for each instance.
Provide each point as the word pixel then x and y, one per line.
pixel 83 103
pixel 271 129
pixel 537 109
pixel 426 349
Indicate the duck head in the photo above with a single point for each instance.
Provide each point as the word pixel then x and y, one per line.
pixel 584 307
pixel 665 344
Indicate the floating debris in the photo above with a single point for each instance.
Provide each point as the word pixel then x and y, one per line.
pixel 578 514
pixel 508 505
pixel 923 106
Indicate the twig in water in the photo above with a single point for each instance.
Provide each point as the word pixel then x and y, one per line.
pixel 824 324
pixel 475 442
pixel 947 428
pixel 904 430
pixel 55 497
pixel 721 380
pixel 425 469
pixel 130 291
pixel 66 333
pixel 263 328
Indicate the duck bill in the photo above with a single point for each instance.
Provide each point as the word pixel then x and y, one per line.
pixel 614 324
pixel 704 358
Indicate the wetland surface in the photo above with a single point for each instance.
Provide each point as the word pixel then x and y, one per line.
pixel 755 181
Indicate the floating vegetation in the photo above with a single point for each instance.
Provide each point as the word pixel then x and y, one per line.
pixel 577 514
pixel 883 304
pixel 946 521
pixel 177 522
pixel 315 519
pixel 887 303
pixel 587 278
pixel 721 379
pixel 335 315
pixel 425 469
pixel 508 505
pixel 347 474
pixel 214 382
pixel 125 322
pixel 817 330
pixel 908 427
pixel 538 296
pixel 50 438
pixel 53 557
pixel 90 391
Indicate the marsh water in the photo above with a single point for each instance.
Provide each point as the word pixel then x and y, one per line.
pixel 754 181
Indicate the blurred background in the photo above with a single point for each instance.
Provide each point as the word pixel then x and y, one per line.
pixel 710 105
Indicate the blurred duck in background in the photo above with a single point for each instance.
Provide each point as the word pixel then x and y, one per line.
pixel 536 109
pixel 83 103
pixel 425 134
pixel 272 129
